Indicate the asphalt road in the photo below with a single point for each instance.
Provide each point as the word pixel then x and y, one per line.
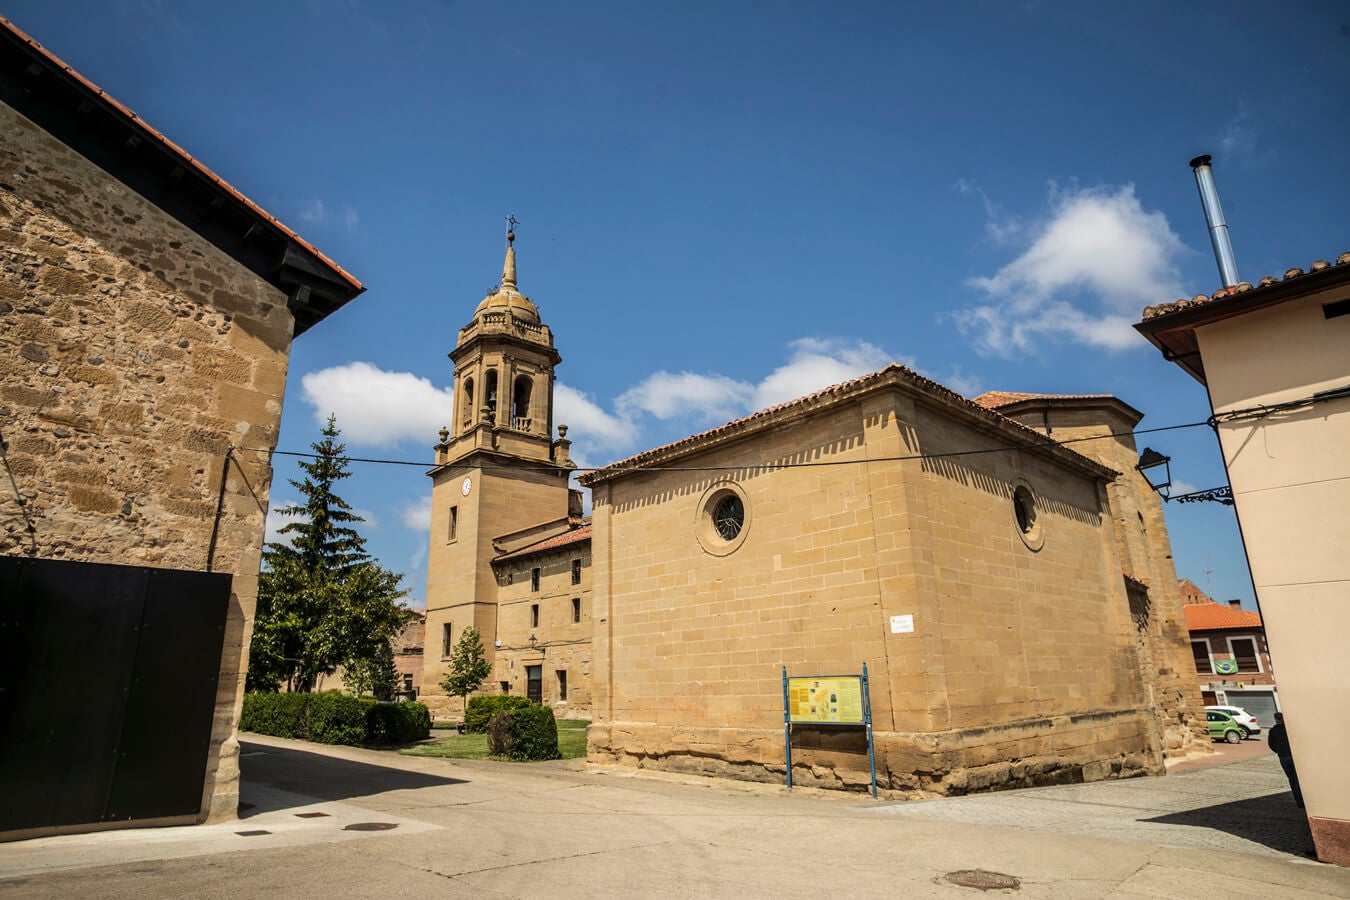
pixel 340 822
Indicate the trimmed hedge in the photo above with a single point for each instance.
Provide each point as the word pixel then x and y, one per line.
pixel 481 710
pixel 280 715
pixel 528 733
pixel 333 717
pixel 397 723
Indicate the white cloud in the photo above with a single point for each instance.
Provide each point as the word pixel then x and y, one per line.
pixel 1000 228
pixel 1091 267
pixel 318 213
pixel 417 514
pixel 378 408
pixel 1238 141
pixel 590 423
pixel 666 395
pixel 314 213
pixel 276 520
pixel 817 364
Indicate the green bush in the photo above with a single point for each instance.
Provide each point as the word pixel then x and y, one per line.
pixel 280 715
pixel 397 723
pixel 481 710
pixel 530 733
pixel 337 718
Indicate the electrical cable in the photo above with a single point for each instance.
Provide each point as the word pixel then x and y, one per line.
pixel 1259 411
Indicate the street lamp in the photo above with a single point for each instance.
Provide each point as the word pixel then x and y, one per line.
pixel 1149 461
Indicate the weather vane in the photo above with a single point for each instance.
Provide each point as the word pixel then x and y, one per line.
pixel 511 223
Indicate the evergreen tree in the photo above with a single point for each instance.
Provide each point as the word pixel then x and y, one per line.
pixel 468 667
pixel 322 601
pixel 377 676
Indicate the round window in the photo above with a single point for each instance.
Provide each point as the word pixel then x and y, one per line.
pixel 729 517
pixel 723 519
pixel 1026 515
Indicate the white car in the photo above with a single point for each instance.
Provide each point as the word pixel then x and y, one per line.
pixel 1245 719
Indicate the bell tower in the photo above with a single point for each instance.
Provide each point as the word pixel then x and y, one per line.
pixel 499 471
pixel 504 363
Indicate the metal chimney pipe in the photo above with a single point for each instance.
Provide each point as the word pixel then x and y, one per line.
pixel 1218 228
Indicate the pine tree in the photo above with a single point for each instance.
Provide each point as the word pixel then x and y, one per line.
pixel 468 667
pixel 322 601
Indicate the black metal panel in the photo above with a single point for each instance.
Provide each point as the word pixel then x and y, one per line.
pixel 166 733
pixel 71 645
pixel 63 688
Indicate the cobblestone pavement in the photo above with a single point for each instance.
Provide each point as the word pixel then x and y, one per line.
pixel 1243 806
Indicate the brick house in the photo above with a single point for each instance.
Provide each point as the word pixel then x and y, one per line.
pixel 1231 655
pixel 147 309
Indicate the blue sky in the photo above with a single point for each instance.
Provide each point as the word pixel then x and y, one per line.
pixel 726 205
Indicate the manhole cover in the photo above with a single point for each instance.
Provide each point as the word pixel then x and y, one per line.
pixel 985 881
pixel 313 815
pixel 254 833
pixel 370 826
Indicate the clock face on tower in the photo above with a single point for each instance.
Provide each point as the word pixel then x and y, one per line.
pixel 466 486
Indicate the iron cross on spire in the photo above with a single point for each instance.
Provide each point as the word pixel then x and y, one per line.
pixel 511 223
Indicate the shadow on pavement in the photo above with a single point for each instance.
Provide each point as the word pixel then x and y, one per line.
pixel 1273 821
pixel 269 773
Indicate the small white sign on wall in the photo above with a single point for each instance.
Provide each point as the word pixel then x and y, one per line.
pixel 902 624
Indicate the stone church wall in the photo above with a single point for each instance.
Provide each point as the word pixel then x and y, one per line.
pixel 133 354
pixel 1018 671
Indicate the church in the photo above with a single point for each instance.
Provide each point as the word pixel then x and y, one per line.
pixel 999 565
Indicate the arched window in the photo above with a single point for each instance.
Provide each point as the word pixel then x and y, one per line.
pixel 520 403
pixel 467 415
pixel 490 396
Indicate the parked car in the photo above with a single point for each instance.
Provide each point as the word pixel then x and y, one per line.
pixel 1239 715
pixel 1223 727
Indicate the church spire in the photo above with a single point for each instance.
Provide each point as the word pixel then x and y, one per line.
pixel 509 268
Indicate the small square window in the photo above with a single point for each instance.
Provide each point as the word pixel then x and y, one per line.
pixel 534 615
pixel 576 571
pixel 534 579
pixel 576 609
pixel 506 686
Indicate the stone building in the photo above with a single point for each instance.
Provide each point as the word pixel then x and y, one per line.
pixel 1048 640
pixel 147 310
pixel 510 551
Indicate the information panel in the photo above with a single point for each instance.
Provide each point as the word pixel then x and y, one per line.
pixel 837 699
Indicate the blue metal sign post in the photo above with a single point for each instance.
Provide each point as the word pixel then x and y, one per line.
pixel 827 700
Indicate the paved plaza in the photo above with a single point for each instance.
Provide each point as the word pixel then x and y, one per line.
pixel 341 822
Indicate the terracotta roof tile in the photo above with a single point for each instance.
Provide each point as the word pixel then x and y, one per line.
pixel 995 399
pixel 1163 309
pixel 1219 616
pixel 577 535
pixel 893 370
pixel 184 157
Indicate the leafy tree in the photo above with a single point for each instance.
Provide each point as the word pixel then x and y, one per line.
pixel 377 676
pixel 322 601
pixel 468 665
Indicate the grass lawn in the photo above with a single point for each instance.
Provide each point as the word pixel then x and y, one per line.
pixel 571 743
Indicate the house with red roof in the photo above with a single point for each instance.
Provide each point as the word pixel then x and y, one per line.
pixel 1231 656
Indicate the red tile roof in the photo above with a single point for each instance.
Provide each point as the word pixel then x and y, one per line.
pixel 1163 309
pixel 577 535
pixel 995 399
pixel 182 155
pixel 1219 617
pixel 893 372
